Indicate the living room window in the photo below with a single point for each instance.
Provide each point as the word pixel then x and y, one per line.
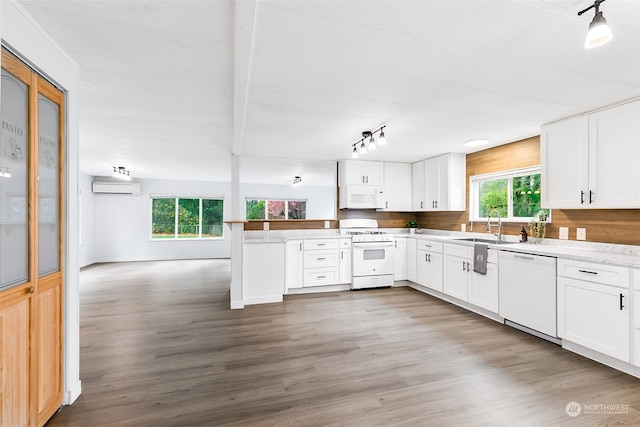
pixel 186 218
pixel 515 194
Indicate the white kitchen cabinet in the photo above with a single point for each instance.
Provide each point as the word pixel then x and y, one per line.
pixel 321 262
pixel 636 316
pixel 345 275
pixel 400 259
pixel 589 161
pixel 429 264
pixel 262 274
pixel 397 187
pixel 591 313
pixel 461 282
pixel 417 186
pixel 293 264
pixel 439 183
pixel 412 258
pixel 360 172
pixel 483 288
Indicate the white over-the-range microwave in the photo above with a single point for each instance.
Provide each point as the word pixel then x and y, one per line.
pixel 361 197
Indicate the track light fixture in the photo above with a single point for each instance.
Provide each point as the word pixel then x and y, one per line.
pixel 599 32
pixel 297 180
pixel 121 173
pixel 368 142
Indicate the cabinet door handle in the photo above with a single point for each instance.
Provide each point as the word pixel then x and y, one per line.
pixel 341 254
pixel 621 305
pixel 590 196
pixel 436 204
pixel 582 197
pixel 300 246
pixel 464 266
pixel 429 257
pixel 420 205
pixel 468 266
pixel 386 205
pixel 587 272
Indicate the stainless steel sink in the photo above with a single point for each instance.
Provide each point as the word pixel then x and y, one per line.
pixel 488 241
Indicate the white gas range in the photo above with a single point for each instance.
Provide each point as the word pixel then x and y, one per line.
pixel 372 259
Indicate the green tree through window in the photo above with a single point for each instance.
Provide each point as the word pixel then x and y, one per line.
pixel 193 219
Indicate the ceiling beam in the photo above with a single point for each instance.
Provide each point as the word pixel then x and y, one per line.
pixel 244 26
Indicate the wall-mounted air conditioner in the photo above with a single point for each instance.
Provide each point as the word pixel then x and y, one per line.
pixel 106 187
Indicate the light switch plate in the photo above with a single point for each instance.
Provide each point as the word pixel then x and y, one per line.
pixel 463 227
pixel 564 233
pixel 581 234
pixel 265 225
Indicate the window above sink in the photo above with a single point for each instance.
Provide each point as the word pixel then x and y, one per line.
pixel 514 193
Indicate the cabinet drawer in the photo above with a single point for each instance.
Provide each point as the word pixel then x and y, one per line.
pixel 591 272
pixel 320 276
pixel 463 251
pixel 321 258
pixel 636 279
pixel 429 245
pixel 321 244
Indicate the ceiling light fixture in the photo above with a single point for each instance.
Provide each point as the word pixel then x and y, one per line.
pixel 297 180
pixel 4 172
pixel 599 32
pixel 359 147
pixel 476 142
pixel 121 173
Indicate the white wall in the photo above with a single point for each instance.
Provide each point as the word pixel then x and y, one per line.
pixel 87 224
pixel 321 201
pixel 19 31
pixel 123 224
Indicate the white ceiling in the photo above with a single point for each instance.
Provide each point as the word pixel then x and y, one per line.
pixel 182 84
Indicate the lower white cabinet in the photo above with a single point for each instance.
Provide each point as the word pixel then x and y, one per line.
pixel 412 258
pixel 461 282
pixel 293 264
pixel 591 314
pixel 429 264
pixel 345 275
pixel 400 270
pixel 321 262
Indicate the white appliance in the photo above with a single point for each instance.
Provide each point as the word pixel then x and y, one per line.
pixel 372 253
pixel 528 293
pixel 361 197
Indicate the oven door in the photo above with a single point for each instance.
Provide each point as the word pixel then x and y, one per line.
pixel 372 258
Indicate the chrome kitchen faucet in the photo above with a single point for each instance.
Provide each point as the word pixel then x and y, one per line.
pixel 489 225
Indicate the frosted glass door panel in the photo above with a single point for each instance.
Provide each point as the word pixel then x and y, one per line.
pixel 48 186
pixel 13 181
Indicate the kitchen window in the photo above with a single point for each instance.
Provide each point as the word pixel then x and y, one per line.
pixel 276 209
pixel 186 218
pixel 515 194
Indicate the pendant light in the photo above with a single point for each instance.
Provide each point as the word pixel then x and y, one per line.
pixel 599 32
pixel 382 140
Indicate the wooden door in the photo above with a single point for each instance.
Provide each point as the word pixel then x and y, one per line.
pixel 31 274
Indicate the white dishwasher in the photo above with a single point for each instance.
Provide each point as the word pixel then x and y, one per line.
pixel 527 289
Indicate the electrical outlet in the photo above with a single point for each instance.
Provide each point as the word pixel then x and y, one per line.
pixel 265 225
pixel 326 224
pixel 581 234
pixel 463 227
pixel 564 233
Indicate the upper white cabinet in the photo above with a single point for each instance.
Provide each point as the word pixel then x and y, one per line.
pixel 360 172
pixel 439 183
pixel 397 187
pixel 590 161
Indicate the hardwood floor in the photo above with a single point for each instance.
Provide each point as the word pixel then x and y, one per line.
pixel 159 347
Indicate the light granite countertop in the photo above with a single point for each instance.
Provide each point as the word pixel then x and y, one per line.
pixel 605 253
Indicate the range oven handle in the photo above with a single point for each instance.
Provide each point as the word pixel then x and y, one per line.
pixel 372 244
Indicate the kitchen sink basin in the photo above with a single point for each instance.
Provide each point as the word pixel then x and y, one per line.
pixel 488 241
